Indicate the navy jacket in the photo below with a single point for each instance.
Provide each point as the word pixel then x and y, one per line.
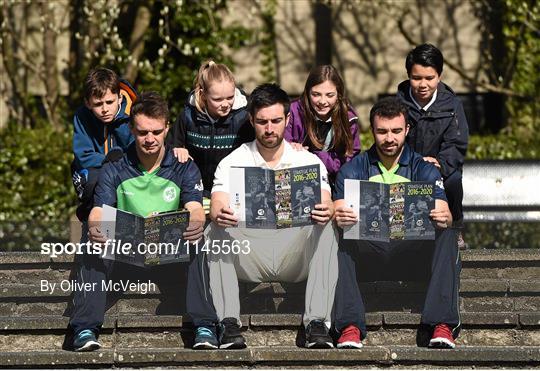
pixel 115 174
pixel 209 142
pixel 411 166
pixel 441 132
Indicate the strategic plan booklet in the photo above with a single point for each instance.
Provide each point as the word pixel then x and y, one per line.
pixel 387 212
pixel 275 199
pixel 149 241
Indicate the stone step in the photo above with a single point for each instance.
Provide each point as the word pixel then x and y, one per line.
pixel 269 321
pixel 500 255
pixel 505 270
pixel 21 275
pixel 291 337
pixel 468 287
pixel 183 338
pixel 491 255
pixel 382 356
pixel 470 258
pixel 124 331
pixel 510 283
pixel 147 305
pixel 487 295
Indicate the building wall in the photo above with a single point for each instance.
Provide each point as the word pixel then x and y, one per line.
pixel 369 48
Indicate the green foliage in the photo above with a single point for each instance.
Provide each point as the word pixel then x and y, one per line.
pixel 37 197
pixel 521 39
pixel 504 146
pixel 182 35
pixel 519 70
pixel 521 33
pixel 502 235
pixel 366 140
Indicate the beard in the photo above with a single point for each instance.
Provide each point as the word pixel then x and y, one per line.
pixel 270 141
pixel 391 152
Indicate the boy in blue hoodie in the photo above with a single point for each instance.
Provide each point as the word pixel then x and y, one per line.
pixel 100 131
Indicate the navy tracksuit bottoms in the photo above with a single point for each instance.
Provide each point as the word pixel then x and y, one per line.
pixel 441 304
pixel 89 306
pixel 453 187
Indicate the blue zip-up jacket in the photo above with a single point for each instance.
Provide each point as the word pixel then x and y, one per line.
pixel 90 134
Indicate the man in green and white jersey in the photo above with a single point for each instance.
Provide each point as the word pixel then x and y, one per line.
pixel 147 180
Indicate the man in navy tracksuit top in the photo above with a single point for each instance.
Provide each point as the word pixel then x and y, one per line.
pixel 146 180
pixel 390 160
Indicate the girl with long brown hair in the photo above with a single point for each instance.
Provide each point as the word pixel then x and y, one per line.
pixel 323 122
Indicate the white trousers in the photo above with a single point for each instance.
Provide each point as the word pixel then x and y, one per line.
pixel 284 255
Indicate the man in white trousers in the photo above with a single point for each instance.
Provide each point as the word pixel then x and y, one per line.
pixel 277 255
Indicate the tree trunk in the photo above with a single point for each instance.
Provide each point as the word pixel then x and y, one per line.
pixel 322 14
pixel 15 71
pixel 136 42
pixel 76 52
pixel 50 78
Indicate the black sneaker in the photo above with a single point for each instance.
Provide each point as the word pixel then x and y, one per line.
pixel 230 337
pixel 85 341
pixel 206 338
pixel 317 336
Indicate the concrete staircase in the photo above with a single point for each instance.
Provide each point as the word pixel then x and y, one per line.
pixel 500 304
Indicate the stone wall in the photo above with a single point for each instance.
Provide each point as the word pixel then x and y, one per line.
pixel 369 48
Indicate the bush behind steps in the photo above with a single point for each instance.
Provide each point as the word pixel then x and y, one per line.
pixel 37 197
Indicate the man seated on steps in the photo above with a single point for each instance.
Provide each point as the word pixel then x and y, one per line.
pixel 146 180
pixel 390 160
pixel 286 255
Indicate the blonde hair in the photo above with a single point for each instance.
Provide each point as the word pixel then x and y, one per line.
pixel 209 72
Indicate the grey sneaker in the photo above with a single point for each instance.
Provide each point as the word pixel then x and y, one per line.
pixel 317 336
pixel 230 337
pixel 85 341
pixel 206 338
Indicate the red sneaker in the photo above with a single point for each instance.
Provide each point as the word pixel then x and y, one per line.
pixel 350 338
pixel 442 337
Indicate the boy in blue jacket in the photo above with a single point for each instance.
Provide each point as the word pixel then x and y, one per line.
pixel 100 131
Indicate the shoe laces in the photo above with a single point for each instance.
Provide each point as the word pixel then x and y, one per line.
pixel 318 327
pixel 230 323
pixel 442 330
pixel 85 333
pixel 351 331
pixel 204 331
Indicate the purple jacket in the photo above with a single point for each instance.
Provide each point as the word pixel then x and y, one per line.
pixel 295 132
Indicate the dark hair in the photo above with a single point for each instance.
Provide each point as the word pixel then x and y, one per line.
pixel 388 108
pixel 267 95
pixel 150 104
pixel 426 55
pixel 342 137
pixel 98 81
